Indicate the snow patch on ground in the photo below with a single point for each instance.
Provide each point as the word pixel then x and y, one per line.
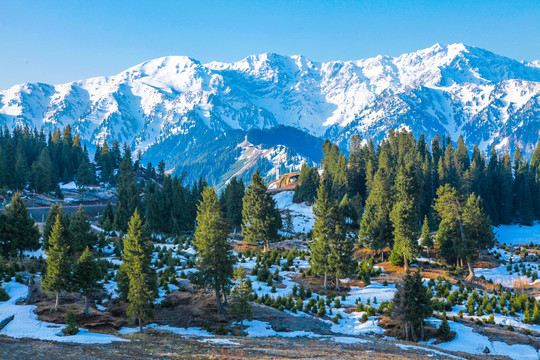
pixel 69 186
pixel 407 347
pixel 219 341
pixel 302 214
pixel 189 332
pixel 256 328
pixel 473 343
pixel 518 234
pixel 349 340
pixel 26 324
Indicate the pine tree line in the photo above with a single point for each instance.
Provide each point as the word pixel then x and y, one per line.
pixel 30 157
pixel 508 186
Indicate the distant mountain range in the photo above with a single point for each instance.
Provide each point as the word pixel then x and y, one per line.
pixel 207 119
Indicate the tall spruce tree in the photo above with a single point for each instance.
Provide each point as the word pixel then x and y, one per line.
pixel 375 226
pixel 86 277
pixel 136 250
pixel 449 207
pixel 128 194
pixel 404 217
pixel 215 259
pixel 477 225
pixel 412 305
pixel 20 228
pixel 140 296
pixel 231 200
pixel 79 229
pixel 342 262
pixel 261 219
pixel 307 184
pixel 56 278
pixel 56 209
pixel 323 232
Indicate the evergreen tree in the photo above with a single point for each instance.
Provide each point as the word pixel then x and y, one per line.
pixel 55 210
pixel 350 210
pixel 449 207
pixel 136 250
pixel 156 209
pixel 289 224
pixel 444 332
pixel 128 195
pixel 56 278
pixel 86 277
pixel 71 322
pixel 342 263
pixel 535 179
pixel 427 240
pixel 161 171
pixel 375 226
pixel 215 259
pixel 232 202
pixel 140 296
pixel 412 305
pixel 477 225
pixel 240 307
pixel 261 219
pixel 335 170
pixel 42 173
pixel 323 231
pixel 79 229
pixel 404 217
pixel 306 185
pixel 107 219
pixel 523 199
pixel 20 229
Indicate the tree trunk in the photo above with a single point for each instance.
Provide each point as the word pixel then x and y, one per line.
pixel 57 301
pixel 325 281
pixel 140 325
pixel 422 335
pixel 406 325
pixel 471 270
pixel 337 283
pixel 413 335
pixel 382 255
pixel 21 255
pixel 86 306
pixel 218 299
pixel 225 301
pixel 242 327
pixel 406 263
pixel 427 251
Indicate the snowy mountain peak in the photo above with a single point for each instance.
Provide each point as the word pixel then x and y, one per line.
pixel 166 64
pixel 456 89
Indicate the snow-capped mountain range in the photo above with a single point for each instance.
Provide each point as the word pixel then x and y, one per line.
pixel 175 102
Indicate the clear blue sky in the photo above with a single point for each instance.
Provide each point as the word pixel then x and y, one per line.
pixel 61 41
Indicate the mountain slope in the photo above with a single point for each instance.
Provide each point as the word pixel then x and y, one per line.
pixel 172 103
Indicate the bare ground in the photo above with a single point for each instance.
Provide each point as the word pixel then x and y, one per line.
pixel 163 345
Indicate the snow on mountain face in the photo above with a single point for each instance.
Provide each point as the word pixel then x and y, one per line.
pixel 443 89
